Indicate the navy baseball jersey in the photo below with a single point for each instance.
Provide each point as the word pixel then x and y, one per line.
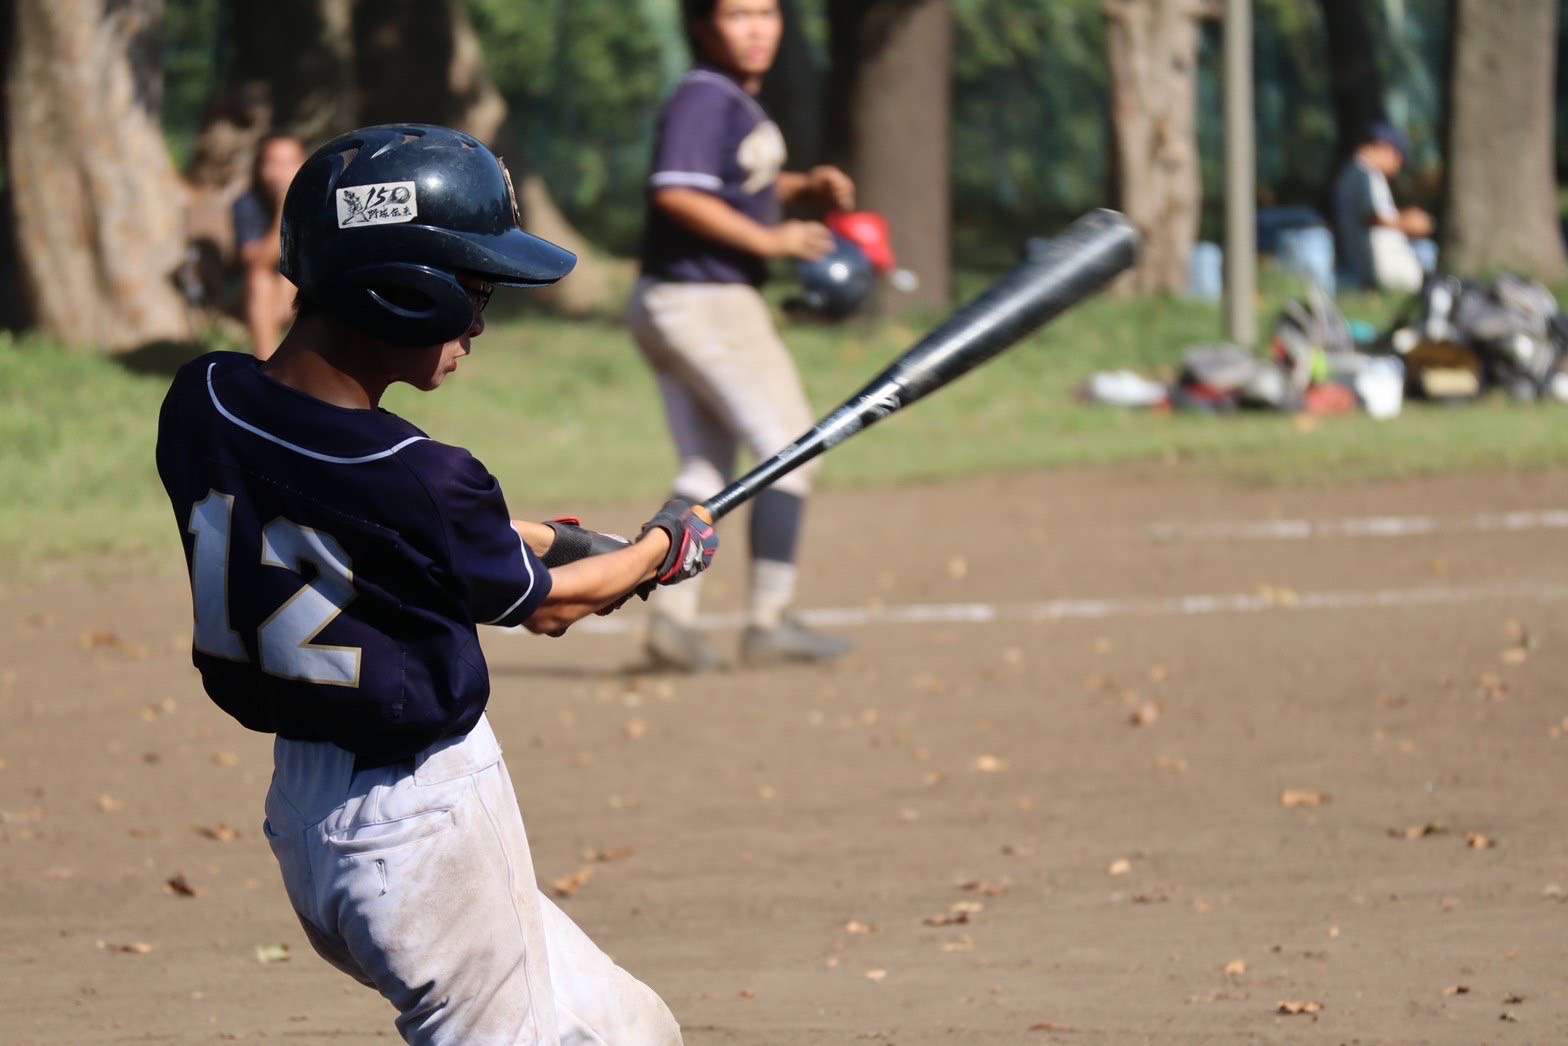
pixel 713 137
pixel 339 560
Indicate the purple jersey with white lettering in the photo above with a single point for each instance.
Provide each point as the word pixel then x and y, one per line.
pixel 713 137
pixel 339 559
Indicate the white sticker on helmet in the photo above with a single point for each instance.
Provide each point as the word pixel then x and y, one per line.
pixel 386 203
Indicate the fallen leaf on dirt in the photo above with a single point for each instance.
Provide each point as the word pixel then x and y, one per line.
pixel 748 993
pixel 1149 898
pixel 1291 1007
pixel 1456 989
pixel 1235 968
pixel 857 927
pixel 961 944
pixel 1509 1017
pixel 1292 798
pixel 1554 892
pixel 221 833
pixel 1418 831
pixel 109 804
pixel 980 886
pixel 876 975
pixel 637 729
pixel 1512 999
pixel 620 853
pixel 568 885
pixel 1120 866
pixel 181 887
pixel 1491 688
pixel 145 833
pixel 94 640
pixel 1393 700
pixel 1448 904
pixel 1145 714
pixel 990 764
pixel 266 954
pixel 1516 655
pixel 1477 841
pixel 1279 596
pixel 133 948
pixel 1048 1026
pixel 957 914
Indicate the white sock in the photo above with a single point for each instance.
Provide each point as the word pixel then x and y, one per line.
pixel 679 602
pixel 772 590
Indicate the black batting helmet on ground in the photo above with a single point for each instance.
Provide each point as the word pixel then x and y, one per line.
pixel 378 223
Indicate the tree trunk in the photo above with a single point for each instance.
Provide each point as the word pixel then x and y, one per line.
pixel 1154 102
pixel 98 205
pixel 302 51
pixel 421 61
pixel 1356 83
pixel 1500 208
pixel 792 92
pixel 13 305
pixel 888 119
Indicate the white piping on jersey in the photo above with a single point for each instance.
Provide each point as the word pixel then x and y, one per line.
pixel 707 76
pixel 529 563
pixel 217 404
pixel 330 459
pixel 686 179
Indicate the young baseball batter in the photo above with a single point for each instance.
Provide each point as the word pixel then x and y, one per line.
pixel 340 561
pixel 726 378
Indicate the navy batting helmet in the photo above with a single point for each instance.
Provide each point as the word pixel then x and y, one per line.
pixel 378 223
pixel 835 285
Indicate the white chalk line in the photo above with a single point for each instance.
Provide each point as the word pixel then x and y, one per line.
pixel 1362 527
pixel 1265 599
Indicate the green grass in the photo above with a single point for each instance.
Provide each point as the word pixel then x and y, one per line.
pixel 566 416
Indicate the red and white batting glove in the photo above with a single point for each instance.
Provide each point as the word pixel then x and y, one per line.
pixel 692 541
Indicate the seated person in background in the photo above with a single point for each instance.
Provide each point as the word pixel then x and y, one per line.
pixel 269 297
pixel 1375 236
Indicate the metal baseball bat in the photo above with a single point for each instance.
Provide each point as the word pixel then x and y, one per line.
pixel 1057 274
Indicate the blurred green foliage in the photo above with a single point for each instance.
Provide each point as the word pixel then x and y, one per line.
pixel 1031 145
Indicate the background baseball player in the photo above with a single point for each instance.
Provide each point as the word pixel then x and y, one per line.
pixel 340 560
pixel 726 378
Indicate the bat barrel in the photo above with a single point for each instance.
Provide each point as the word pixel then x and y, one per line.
pixel 1055 275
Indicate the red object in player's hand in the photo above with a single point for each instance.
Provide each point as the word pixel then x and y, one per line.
pixel 868 231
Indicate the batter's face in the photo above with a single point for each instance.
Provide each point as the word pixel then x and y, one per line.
pixel 742 38
pixel 428 368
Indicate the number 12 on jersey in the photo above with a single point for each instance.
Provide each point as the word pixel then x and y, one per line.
pixel 284 638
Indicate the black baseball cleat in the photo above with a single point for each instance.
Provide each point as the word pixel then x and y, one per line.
pixel 790 641
pixel 675 647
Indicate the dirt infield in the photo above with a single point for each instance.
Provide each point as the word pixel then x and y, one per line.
pixel 1111 764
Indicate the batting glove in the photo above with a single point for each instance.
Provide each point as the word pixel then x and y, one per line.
pixel 692 541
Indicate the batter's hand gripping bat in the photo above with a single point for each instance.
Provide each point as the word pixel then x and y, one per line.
pixel 1057 274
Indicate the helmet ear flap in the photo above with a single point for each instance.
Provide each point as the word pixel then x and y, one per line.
pixel 402 303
